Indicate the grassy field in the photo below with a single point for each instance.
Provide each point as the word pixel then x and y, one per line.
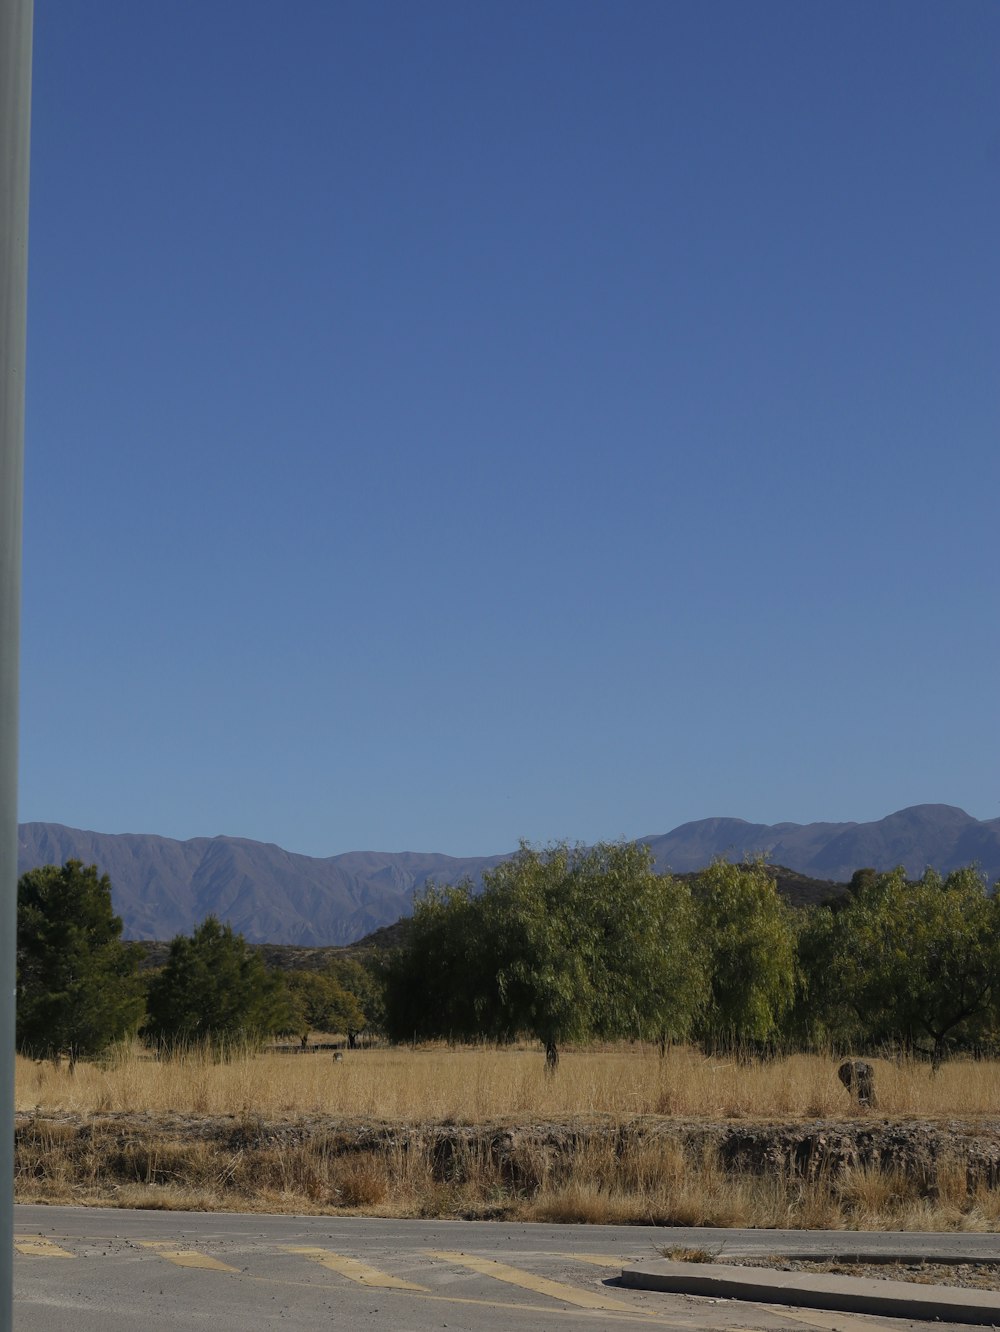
pixel 473 1086
pixel 482 1132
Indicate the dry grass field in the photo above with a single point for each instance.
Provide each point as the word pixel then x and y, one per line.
pixel 474 1086
pixel 614 1136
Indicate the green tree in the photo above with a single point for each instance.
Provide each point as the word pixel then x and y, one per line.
pixel 544 973
pixel 433 983
pixel 562 944
pixel 77 984
pixel 820 1017
pixel 749 934
pixel 320 1003
pixel 363 985
pixel 654 960
pixel 215 987
pixel 919 963
pixel 590 941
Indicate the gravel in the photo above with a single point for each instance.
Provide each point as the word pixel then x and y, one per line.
pixel 973 1276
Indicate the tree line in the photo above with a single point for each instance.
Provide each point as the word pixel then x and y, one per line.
pixel 80 987
pixel 562 944
pixel 575 943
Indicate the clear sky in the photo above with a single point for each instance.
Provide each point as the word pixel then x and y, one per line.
pixel 454 422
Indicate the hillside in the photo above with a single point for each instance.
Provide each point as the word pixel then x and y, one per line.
pixel 795 888
pixel 938 835
pixel 164 887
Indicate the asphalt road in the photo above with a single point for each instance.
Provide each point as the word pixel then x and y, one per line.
pixel 96 1270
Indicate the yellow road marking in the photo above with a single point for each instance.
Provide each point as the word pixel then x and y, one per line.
pixel 647 1319
pixel 617 1313
pixel 186 1257
pixel 834 1322
pixel 557 1290
pixel 36 1247
pixel 351 1268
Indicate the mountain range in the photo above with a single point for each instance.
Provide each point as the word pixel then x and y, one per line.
pixel 162 887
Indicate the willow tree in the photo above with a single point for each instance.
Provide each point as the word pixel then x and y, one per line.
pixel 564 943
pixel 749 935
pixel 920 962
pixel 433 981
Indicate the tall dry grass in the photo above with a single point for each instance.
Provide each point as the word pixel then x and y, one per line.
pixel 470 1086
pixel 597 1180
pixel 295 1144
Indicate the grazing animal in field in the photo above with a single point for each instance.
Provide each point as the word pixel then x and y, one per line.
pixel 858 1077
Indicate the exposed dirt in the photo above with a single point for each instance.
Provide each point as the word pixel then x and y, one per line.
pixel 916 1148
pixel 973 1276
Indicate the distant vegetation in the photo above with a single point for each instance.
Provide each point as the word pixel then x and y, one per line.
pixel 563 945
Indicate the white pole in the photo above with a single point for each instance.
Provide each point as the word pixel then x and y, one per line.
pixel 15 115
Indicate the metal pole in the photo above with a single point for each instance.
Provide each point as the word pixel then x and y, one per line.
pixel 15 109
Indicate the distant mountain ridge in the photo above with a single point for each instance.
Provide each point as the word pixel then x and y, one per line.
pixel 939 835
pixel 164 887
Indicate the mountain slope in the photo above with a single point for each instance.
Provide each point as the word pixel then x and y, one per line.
pixel 164 887
pixel 938 835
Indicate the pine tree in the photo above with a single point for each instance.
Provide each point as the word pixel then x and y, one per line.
pixel 77 985
pixel 214 987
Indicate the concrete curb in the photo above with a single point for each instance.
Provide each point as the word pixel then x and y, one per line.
pixel 810 1290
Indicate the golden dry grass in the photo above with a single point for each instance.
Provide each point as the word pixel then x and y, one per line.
pixel 77 1143
pixel 471 1086
pixel 652 1183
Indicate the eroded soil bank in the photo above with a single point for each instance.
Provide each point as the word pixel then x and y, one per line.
pixel 858 1172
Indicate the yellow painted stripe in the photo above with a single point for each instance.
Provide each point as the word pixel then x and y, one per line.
pixel 186 1257
pixel 833 1322
pixel 647 1319
pixel 514 1276
pixel 351 1268
pixel 36 1247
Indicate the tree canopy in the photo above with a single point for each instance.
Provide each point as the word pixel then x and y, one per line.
pixel 749 935
pixel 562 944
pixel 320 1003
pixel 919 963
pixel 77 984
pixel 214 987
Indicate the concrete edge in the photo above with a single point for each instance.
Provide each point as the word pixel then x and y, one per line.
pixel 813 1290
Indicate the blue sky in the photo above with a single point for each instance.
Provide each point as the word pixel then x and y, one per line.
pixel 451 423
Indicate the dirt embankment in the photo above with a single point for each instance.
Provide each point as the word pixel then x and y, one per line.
pixel 110 1150
pixel 915 1148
